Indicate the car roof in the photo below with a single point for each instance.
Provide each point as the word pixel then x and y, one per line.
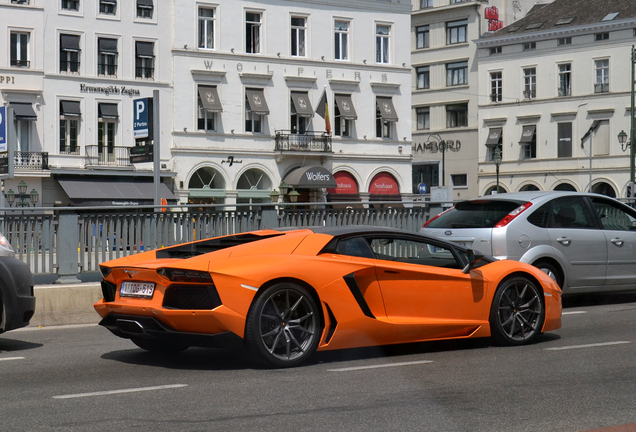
pixel 337 231
pixel 534 195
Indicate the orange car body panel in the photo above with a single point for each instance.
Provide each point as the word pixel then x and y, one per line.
pixel 407 302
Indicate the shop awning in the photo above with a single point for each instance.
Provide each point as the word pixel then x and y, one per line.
pixel 346 184
pixel 527 135
pixel 69 42
pixel 384 184
pixel 302 104
pixel 257 102
pixel 107 46
pixel 494 137
pixel 347 111
pixel 210 99
pixel 311 177
pixel 24 111
pixel 145 49
pixel 70 108
pixel 104 192
pixel 107 110
pixel 387 110
pixel 148 4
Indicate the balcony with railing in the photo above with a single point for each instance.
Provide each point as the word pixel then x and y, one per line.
pixel 309 141
pixel 20 63
pixel 30 161
pixel 118 156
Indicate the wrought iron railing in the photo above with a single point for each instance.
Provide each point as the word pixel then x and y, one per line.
pixel 104 156
pixel 25 160
pixel 309 141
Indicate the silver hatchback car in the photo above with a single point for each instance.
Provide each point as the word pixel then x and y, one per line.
pixel 584 241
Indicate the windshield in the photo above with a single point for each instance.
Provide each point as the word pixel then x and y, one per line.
pixel 475 214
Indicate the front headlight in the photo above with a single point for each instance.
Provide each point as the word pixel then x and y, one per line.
pixel 4 243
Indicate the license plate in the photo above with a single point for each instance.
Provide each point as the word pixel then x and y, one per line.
pixel 137 289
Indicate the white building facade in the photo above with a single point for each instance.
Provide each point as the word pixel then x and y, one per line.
pixel 248 80
pixel 76 67
pixel 558 96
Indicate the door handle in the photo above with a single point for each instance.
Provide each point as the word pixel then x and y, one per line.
pixel 617 241
pixel 564 241
pixel 391 271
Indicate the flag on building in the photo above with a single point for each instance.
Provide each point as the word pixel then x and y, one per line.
pixel 323 110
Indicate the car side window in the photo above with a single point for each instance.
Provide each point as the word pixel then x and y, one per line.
pixel 413 252
pixel 356 246
pixel 613 217
pixel 541 216
pixel 571 212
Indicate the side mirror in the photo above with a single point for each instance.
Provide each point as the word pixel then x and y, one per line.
pixel 473 259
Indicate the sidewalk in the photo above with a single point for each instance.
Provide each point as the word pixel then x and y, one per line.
pixel 66 304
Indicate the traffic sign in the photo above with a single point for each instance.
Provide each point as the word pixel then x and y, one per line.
pixel 142 119
pixel 422 188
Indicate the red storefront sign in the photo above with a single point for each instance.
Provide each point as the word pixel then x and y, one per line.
pixel 384 184
pixel 346 184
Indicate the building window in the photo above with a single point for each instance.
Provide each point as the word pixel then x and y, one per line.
pixel 341 45
pixel 298 35
pixel 601 36
pixel 70 5
pixel 108 7
pixel 530 83
pixel 423 77
pixel 106 131
pixel 144 60
pixel 425 173
pixel 382 127
pixel 422 37
pixel 459 180
pixel 458 1
pixel 253 32
pixel 457 115
pixel 301 112
pixel 456 32
pixel 107 57
pixel 423 118
pixel 564 136
pixel 456 74
pixel 205 118
pixel 529 46
pixel 69 53
pixel 20 49
pixel 528 142
pixel 69 127
pixel 382 39
pixel 564 41
pixel 495 50
pixel 602 76
pixel 253 120
pixel 344 115
pixel 565 79
pixel 496 87
pixel 145 8
pixel 426 4
pixel 206 27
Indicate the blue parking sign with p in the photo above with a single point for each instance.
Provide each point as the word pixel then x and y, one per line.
pixel 141 120
pixel 3 129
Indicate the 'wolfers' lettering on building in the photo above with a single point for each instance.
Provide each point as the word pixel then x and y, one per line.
pixel 312 176
pixel 110 90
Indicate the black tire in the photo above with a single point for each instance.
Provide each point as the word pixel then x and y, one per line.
pixel 518 312
pixel 283 326
pixel 551 271
pixel 159 346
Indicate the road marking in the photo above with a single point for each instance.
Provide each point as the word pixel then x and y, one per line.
pixel 587 346
pixel 11 358
pixel 385 365
pixel 111 392
pixel 573 313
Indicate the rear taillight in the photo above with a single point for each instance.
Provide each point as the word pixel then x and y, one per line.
pixel 512 215
pixel 435 217
pixel 179 275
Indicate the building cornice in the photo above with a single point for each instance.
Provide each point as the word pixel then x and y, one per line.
pixel 555 33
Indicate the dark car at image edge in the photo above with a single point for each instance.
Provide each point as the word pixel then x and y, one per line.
pixel 17 300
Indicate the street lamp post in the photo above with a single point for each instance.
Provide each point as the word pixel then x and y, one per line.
pixel 22 196
pixel 497 160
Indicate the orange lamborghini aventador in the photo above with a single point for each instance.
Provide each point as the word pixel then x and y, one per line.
pixel 289 293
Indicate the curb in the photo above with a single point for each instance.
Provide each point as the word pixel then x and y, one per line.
pixel 57 304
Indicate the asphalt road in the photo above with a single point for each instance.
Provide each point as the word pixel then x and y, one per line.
pixel 81 378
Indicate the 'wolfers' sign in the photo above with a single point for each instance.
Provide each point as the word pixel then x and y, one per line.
pixel 492 15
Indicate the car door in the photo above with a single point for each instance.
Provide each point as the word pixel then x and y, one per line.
pixel 422 282
pixel 618 224
pixel 575 236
